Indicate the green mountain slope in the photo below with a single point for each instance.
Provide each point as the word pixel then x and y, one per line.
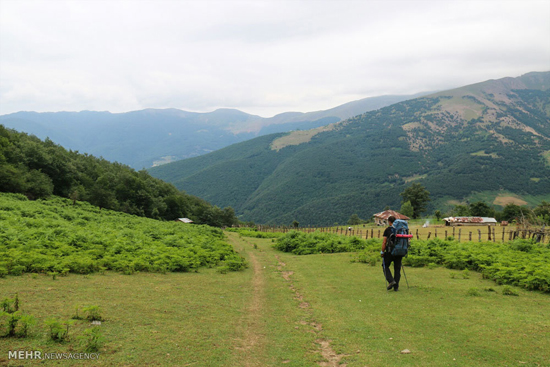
pixel 491 136
pixel 152 137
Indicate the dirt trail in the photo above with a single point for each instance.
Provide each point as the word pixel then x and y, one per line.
pixel 332 359
pixel 249 346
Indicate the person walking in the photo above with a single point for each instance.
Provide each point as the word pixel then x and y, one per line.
pixel 388 258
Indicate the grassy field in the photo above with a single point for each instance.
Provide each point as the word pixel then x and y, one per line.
pixel 288 310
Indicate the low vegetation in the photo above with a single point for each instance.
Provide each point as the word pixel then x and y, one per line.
pixel 254 233
pixel 56 237
pixel 521 262
pixel 301 243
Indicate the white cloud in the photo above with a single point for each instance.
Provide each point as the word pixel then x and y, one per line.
pixel 263 57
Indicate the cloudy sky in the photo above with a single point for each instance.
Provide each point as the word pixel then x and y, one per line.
pixel 262 57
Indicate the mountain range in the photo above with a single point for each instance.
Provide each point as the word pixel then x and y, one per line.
pixel 151 137
pixel 489 140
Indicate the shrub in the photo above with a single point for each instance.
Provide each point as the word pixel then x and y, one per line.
pixel 93 313
pixel 92 339
pixel 301 243
pixel 26 322
pixel 474 292
pixel 509 291
pixel 59 331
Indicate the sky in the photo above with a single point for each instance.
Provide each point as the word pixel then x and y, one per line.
pixel 261 57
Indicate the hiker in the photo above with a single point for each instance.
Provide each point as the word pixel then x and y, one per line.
pixel 388 258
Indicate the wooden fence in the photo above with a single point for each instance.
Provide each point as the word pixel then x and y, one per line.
pixel 491 233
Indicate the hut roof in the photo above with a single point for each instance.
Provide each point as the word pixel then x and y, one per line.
pixel 388 213
pixel 184 220
pixel 476 220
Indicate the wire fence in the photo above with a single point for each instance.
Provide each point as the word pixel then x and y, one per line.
pixel 461 233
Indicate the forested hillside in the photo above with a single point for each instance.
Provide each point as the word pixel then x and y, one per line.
pixel 39 169
pixel 152 137
pixel 489 137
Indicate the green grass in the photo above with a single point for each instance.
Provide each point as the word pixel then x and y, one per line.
pixel 435 318
pixel 254 317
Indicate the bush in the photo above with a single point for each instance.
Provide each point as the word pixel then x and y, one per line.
pixel 474 292
pixel 93 313
pixel 301 243
pixel 509 291
pixel 92 339
pixel 59 331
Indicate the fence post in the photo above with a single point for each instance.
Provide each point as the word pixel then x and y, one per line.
pixel 470 237
pixel 378 233
pixel 479 233
pixel 489 227
pixel 435 234
pixel 503 232
pixel 494 235
pixel 459 233
pixel 417 236
pixel 446 234
pixel 429 234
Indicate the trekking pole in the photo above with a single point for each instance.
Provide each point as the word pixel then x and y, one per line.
pixel 384 269
pixel 403 267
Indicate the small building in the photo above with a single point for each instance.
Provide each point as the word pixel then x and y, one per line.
pixel 184 220
pixel 470 221
pixel 381 219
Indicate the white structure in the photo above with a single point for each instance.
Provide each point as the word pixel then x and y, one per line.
pixel 184 220
pixel 470 221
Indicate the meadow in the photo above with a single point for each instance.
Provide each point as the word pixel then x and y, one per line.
pixel 283 309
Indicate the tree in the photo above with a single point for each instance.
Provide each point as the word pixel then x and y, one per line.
pixel 418 196
pixel 295 224
pixel 437 214
pixel 542 211
pixel 407 209
pixel 513 211
pixel 481 209
pixel 354 220
pixel 461 211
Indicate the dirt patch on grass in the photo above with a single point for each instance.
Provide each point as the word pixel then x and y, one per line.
pixel 287 274
pixel 331 358
pixel 505 200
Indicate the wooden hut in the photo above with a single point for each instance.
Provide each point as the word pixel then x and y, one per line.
pixel 381 219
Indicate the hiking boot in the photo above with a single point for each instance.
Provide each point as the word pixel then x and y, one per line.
pixel 396 288
pixel 390 286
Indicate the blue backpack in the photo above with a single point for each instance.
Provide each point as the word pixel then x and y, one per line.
pixel 399 239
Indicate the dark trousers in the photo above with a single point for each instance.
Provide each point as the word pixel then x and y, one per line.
pixel 387 260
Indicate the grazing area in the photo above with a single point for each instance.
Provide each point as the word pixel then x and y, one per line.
pixel 286 309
